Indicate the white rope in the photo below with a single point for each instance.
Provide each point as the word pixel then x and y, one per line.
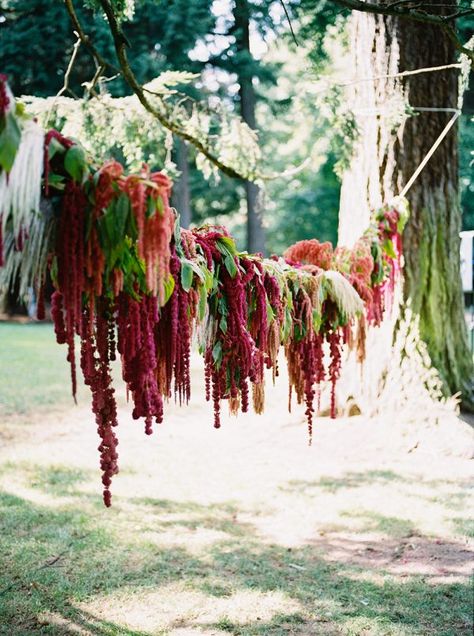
pixel 376 78
pixel 430 153
pixel 420 109
pixel 429 69
pixel 425 109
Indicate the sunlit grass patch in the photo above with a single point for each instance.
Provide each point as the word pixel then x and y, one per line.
pixel 374 522
pixel 348 480
pixel 34 372
pixel 463 526
pixel 182 605
pixel 58 480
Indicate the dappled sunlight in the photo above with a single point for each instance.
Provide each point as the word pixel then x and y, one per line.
pixel 175 606
pixel 244 530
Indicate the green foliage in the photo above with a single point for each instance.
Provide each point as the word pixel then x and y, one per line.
pixel 10 136
pixel 123 9
pixel 466 170
pixel 36 41
pixel 307 206
pixel 163 34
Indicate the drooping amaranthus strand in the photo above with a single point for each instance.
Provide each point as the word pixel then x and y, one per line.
pixel 96 330
pixel 149 196
pixel 103 194
pixel 173 338
pixel 70 251
pixel 300 355
pixel 136 322
pixel 229 356
pixel 334 371
pixel 4 99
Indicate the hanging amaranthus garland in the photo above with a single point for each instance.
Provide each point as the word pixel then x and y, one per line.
pixel 129 282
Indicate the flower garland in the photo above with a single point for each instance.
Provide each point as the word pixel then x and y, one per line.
pixel 130 283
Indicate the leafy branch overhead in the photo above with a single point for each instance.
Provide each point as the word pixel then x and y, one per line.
pixel 240 156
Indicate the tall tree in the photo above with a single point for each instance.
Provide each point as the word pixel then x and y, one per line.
pixel 387 155
pixel 245 74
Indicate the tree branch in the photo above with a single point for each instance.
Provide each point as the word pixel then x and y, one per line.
pixel 397 9
pixel 121 43
pixel 85 39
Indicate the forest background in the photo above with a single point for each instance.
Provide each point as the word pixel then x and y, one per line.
pixel 300 114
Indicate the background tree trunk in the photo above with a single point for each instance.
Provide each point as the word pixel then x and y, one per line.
pixel 386 155
pixel 255 230
pixel 181 197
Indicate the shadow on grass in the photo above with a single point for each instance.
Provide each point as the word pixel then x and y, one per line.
pixel 55 559
pixel 396 527
pixel 349 480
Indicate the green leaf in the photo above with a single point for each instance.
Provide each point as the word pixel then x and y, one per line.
pixel 223 324
pixel 316 320
pixel 122 211
pixel 169 288
pixel 231 267
pixel 389 249
pixel 75 163
pixel 55 147
pixel 202 301
pixel 222 306
pixel 56 181
pixel 10 138
pixel 270 313
pixel 226 245
pixel 150 207
pixel 187 275
pixel 217 354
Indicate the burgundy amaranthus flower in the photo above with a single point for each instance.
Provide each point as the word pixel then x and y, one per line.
pixel 136 322
pixel 95 364
pixel 334 340
pixel 70 248
pixel 173 338
pixel 4 99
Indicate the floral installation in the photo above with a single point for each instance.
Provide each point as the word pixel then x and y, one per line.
pixel 131 285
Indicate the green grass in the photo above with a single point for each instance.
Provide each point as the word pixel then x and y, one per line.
pixel 66 562
pixel 55 558
pixel 34 372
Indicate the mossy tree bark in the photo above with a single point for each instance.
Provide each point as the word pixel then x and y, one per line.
pixel 388 152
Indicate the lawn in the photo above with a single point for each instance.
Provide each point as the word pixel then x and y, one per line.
pixel 244 531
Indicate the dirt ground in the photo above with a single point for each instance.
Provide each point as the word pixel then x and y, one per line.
pixel 384 501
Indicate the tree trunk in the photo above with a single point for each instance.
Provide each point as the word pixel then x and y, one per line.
pixel 386 155
pixel 181 198
pixel 255 229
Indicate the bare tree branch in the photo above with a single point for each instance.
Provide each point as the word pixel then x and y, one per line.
pixel 85 39
pixel 67 75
